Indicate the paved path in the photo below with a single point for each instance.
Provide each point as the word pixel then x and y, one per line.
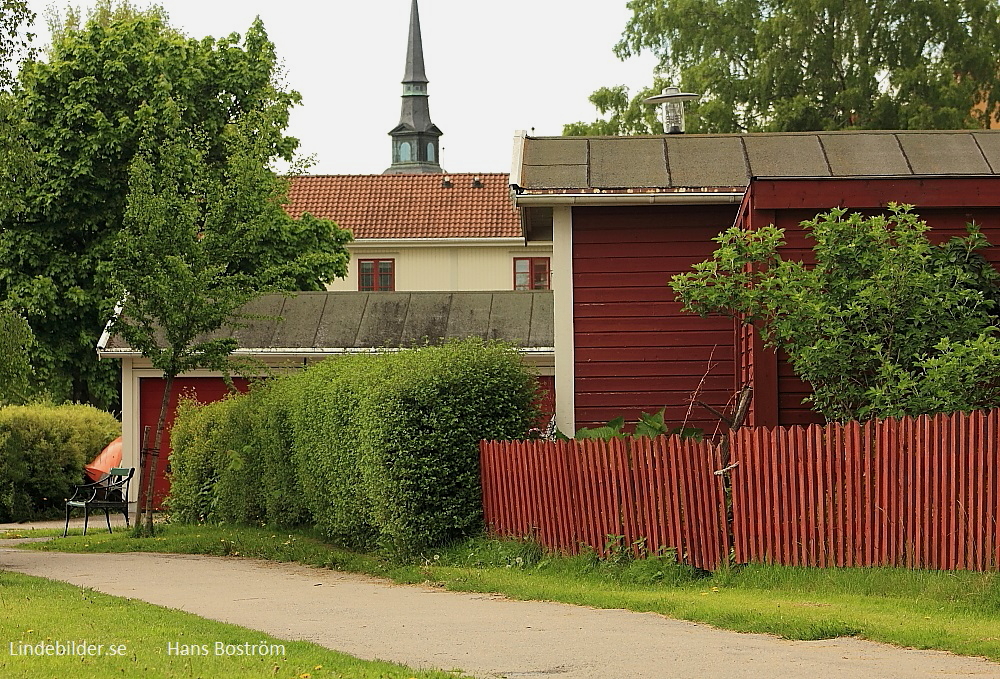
pixel 485 635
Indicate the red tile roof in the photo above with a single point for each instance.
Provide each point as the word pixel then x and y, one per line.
pixel 409 205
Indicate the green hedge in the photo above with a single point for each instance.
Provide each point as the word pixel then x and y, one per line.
pixel 43 449
pixel 375 450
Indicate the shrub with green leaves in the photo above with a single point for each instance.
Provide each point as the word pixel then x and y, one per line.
pixel 885 323
pixel 43 449
pixel 420 433
pixel 324 406
pixel 377 450
pixel 231 461
pixel 199 452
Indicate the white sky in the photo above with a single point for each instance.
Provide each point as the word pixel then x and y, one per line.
pixel 494 67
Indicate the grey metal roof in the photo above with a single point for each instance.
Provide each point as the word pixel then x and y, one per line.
pixel 331 322
pixel 718 162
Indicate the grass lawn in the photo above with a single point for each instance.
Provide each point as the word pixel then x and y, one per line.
pixel 129 638
pixel 953 611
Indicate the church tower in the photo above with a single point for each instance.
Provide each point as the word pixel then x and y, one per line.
pixel 415 139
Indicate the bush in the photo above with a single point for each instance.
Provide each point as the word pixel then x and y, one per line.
pixel 43 449
pixel 420 433
pixel 326 401
pixel 197 453
pixel 235 465
pixel 375 450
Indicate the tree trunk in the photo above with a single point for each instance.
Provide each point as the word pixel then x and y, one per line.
pixel 144 517
pixel 143 461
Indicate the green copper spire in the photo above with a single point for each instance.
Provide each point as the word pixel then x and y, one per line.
pixel 415 138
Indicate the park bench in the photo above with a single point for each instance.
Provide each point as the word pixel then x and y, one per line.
pixel 109 494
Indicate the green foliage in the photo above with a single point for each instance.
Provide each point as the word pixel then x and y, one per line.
pixel 376 450
pixel 648 426
pixel 15 369
pixel 625 115
pixel 815 64
pixel 611 430
pixel 17 162
pixel 419 438
pixel 121 82
pixel 187 257
pixel 885 323
pixel 325 416
pixel 199 432
pixel 236 465
pixel 43 449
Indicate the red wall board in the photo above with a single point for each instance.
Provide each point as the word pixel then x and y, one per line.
pixel 821 194
pixel 636 351
pixel 677 323
pixel 205 389
pixel 547 399
pixel 720 354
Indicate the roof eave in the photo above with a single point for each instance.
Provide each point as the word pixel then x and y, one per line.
pixel 292 352
pixel 643 197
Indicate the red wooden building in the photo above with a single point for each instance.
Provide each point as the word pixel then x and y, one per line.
pixel 627 213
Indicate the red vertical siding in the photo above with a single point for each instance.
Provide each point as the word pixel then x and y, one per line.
pixel 546 400
pixel 635 350
pixel 205 389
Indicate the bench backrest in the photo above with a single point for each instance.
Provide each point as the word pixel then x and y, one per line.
pixel 116 484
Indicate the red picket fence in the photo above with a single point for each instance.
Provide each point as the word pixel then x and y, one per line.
pixel 571 493
pixel 915 492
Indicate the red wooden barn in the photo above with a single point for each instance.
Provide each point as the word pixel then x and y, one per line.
pixel 627 213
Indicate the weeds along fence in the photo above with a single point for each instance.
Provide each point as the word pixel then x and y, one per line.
pixel 916 492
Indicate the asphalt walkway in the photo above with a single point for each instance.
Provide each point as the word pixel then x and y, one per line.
pixel 482 634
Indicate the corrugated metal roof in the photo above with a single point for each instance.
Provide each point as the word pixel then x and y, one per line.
pixel 713 162
pixel 410 205
pixel 311 322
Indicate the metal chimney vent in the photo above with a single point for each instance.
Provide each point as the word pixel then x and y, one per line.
pixel 672 109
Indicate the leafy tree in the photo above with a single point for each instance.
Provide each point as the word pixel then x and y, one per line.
pixel 799 65
pixel 184 260
pixel 884 324
pixel 17 165
pixel 84 111
pixel 15 369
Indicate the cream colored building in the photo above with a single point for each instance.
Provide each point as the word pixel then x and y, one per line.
pixel 427 232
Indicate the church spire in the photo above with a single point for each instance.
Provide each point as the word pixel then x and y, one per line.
pixel 415 138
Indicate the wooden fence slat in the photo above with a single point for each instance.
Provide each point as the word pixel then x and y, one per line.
pixel 916 492
pixel 993 497
pixel 740 498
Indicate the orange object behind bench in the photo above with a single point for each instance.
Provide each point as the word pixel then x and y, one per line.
pixel 108 459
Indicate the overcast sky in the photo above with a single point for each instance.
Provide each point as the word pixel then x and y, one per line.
pixel 494 67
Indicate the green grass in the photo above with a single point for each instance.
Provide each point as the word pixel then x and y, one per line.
pixel 953 611
pixel 38 611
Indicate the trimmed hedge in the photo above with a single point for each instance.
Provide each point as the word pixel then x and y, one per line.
pixel 376 450
pixel 43 449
